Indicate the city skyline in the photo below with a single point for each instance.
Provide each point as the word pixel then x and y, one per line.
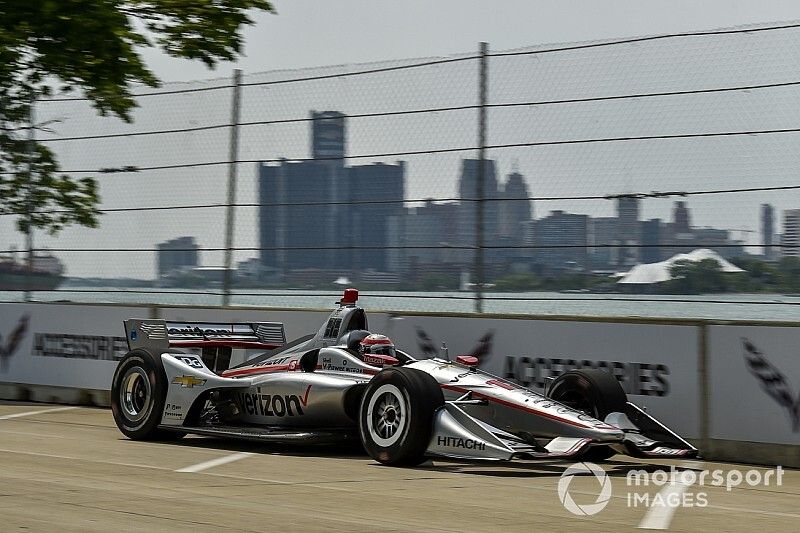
pixel 587 169
pixel 303 240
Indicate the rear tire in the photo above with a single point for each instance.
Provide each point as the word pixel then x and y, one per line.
pixel 397 414
pixel 595 392
pixel 138 393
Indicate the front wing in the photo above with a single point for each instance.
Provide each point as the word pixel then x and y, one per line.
pixel 458 435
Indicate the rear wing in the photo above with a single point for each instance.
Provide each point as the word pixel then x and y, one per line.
pixel 159 334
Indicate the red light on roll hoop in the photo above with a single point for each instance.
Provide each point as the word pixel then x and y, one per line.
pixel 469 360
pixel 350 296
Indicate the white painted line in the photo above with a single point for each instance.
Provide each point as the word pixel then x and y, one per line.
pixel 205 465
pixel 659 515
pixel 40 435
pixel 326 486
pixel 73 458
pixel 354 487
pixel 31 413
pixel 755 511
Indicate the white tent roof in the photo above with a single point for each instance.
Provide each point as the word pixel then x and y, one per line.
pixel 657 272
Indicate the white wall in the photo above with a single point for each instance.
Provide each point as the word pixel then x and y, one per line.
pixel 754 376
pixel 658 364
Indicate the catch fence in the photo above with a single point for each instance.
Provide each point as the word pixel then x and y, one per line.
pixel 458 183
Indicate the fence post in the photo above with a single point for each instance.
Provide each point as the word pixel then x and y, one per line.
pixel 233 156
pixel 479 182
pixel 29 199
pixel 705 390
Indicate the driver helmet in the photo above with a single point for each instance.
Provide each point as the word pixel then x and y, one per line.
pixel 376 344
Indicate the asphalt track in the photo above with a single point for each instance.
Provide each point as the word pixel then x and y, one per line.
pixel 69 469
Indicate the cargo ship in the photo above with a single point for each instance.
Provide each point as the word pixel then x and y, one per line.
pixel 46 274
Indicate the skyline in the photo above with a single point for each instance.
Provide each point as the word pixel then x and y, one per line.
pixel 628 231
pixel 403 237
pixel 550 171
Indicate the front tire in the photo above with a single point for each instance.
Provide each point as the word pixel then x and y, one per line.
pixel 596 393
pixel 397 414
pixel 138 393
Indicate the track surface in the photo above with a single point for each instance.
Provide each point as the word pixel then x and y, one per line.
pixel 69 469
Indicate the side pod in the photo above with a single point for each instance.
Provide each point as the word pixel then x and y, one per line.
pixel 187 379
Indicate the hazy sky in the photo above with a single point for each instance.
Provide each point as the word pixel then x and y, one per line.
pixel 307 33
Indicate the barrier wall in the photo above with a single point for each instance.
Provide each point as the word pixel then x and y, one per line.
pixel 70 346
pixel 733 388
pixel 754 381
pixel 656 364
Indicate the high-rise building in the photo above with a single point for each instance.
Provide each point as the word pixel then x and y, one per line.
pixel 293 229
pixel 431 231
pixel 515 208
pixel 294 232
pixel 718 240
pixel 628 230
pixel 468 193
pixel 603 241
pixel 328 135
pixel 177 254
pixel 767 229
pixel 651 241
pixel 677 236
pixel 368 223
pixel 681 219
pixel 790 241
pixel 561 240
pixel 314 214
pixel 328 147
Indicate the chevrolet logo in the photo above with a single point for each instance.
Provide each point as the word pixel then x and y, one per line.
pixel 188 381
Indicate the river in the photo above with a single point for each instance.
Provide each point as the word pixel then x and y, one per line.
pixel 711 306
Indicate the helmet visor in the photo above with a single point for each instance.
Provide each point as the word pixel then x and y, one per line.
pixel 382 349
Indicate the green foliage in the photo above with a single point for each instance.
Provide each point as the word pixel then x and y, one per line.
pixel 788 274
pixel 439 282
pixel 90 46
pixel 759 276
pixel 696 277
pixel 567 282
pixel 518 282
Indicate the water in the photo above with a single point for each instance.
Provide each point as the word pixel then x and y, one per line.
pixel 773 307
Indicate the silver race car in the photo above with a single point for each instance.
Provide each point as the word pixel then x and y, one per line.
pixel 346 383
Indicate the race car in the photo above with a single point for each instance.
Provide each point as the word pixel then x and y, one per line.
pixel 345 382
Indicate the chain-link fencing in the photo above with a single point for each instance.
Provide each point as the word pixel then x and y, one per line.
pixel 549 179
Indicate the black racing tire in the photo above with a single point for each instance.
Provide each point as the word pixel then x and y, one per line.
pixel 595 392
pixel 396 417
pixel 138 393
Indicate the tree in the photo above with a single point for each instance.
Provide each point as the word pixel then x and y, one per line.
pixel 759 276
pixel 90 46
pixel 694 277
pixel 518 282
pixel 789 274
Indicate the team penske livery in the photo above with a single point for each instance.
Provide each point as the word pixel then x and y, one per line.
pixel 345 382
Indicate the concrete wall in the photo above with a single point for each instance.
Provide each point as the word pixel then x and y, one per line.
pixel 732 387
